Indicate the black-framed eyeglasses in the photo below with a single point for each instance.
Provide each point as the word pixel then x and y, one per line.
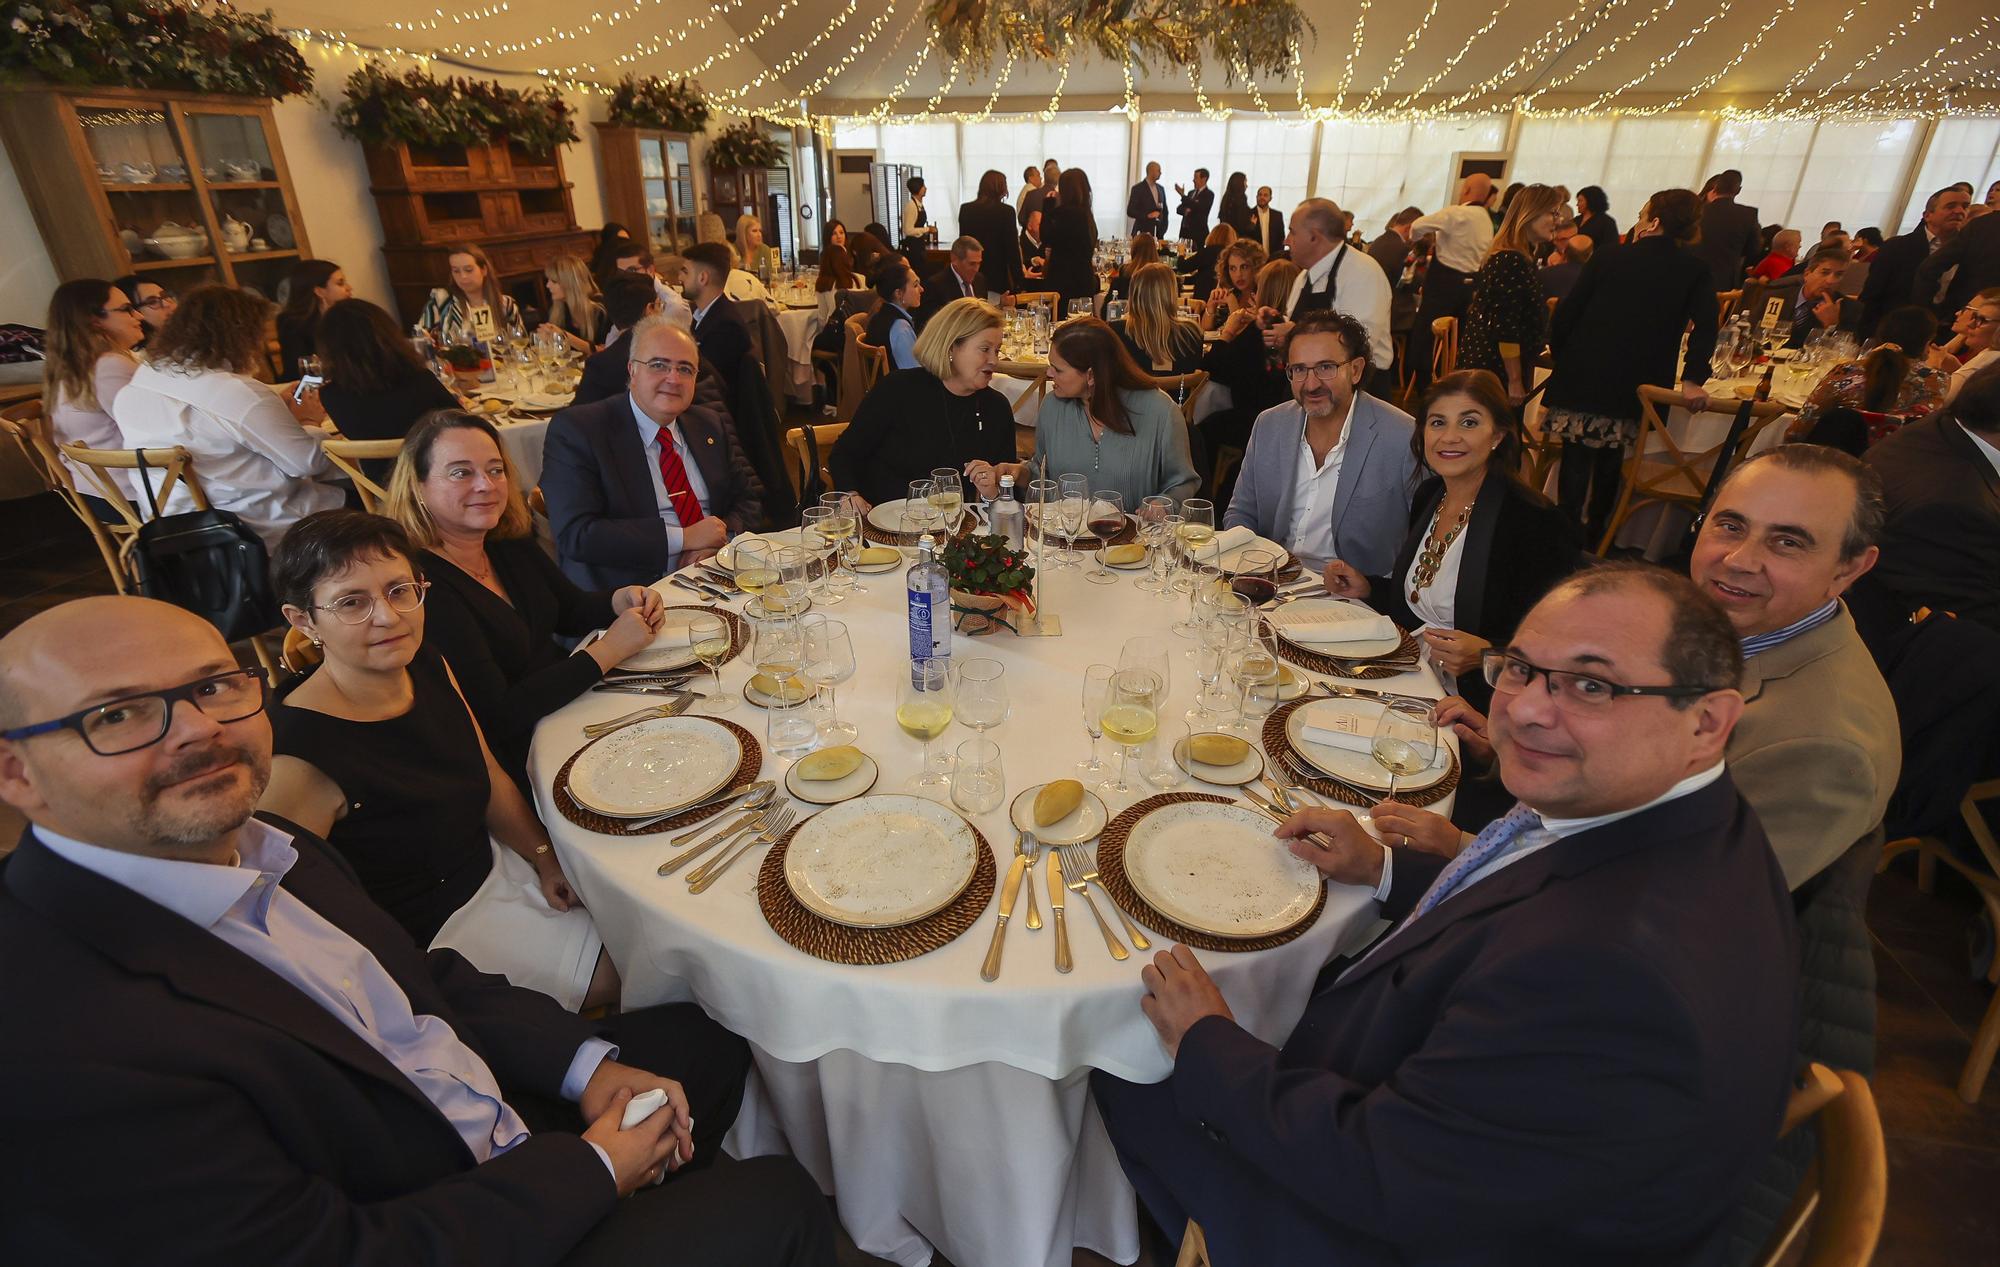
pixel 1324 371
pixel 359 609
pixel 661 365
pixel 140 721
pixel 160 300
pixel 131 309
pixel 1509 674
pixel 1977 320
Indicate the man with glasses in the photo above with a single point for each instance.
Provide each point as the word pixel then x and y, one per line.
pixel 1576 1041
pixel 646 482
pixel 1328 474
pixel 215 993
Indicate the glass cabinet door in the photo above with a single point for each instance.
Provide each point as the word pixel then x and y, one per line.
pixel 231 148
pixel 680 176
pixel 653 187
pixel 153 206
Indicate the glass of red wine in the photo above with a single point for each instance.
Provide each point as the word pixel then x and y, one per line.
pixel 1107 520
pixel 1256 578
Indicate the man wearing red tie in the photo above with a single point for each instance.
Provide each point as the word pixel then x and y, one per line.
pixel 642 484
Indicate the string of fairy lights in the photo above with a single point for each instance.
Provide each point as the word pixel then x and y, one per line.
pixel 1562 52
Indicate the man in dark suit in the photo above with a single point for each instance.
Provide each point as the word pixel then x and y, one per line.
pixel 646 482
pixel 1195 206
pixel 1974 252
pixel 309 1085
pixel 1267 225
pixel 1576 1046
pixel 1147 206
pixel 1392 250
pixel 963 278
pixel 1729 243
pixel 987 221
pixel 628 297
pixel 1892 271
pixel 719 330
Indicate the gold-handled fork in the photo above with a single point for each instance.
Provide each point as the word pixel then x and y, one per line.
pixel 709 872
pixel 1074 866
pixel 1082 862
pixel 751 820
pixel 1028 847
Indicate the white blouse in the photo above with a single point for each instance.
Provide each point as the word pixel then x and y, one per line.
pixel 71 422
pixel 1435 604
pixel 742 286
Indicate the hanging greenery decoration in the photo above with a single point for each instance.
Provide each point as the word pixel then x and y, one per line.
pixel 417 108
pixel 1258 35
pixel 675 105
pixel 744 145
pixel 159 44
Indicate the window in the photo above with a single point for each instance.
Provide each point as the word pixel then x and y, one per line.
pixel 1099 144
pixel 933 147
pixel 1376 169
pixel 1961 149
pixel 1648 155
pixel 1770 153
pixel 1274 152
pixel 1852 175
pixel 1572 152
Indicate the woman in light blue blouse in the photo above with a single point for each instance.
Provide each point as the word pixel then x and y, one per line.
pixel 891 326
pixel 1104 418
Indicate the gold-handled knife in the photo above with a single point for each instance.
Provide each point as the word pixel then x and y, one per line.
pixel 1056 894
pixel 1010 889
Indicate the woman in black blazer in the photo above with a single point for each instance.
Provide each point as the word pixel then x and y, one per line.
pixel 1070 233
pixel 1482 547
pixel 497 600
pixel 989 219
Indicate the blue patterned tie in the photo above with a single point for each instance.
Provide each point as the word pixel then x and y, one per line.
pixel 1487 845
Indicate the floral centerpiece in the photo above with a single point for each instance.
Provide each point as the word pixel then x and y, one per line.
pixel 744 145
pixel 988 577
pixel 417 108
pixel 676 105
pixel 163 44
pixel 1248 37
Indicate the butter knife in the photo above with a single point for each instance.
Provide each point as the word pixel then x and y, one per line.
pixel 1056 894
pixel 1010 889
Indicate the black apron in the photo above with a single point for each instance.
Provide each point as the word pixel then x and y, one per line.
pixel 1311 300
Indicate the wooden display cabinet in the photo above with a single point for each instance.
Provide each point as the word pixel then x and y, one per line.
pixel 105 169
pixel 649 181
pixel 734 192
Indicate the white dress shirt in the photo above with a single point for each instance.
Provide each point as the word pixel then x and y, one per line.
pixel 1963 374
pixel 744 286
pixel 253 458
pixel 1314 487
pixel 1361 290
pixel 1463 234
pixel 1263 218
pixel 1986 448
pixel 649 440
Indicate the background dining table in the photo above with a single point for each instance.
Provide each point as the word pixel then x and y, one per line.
pixel 943 1112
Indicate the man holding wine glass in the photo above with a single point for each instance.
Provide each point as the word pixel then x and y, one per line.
pixel 1613 960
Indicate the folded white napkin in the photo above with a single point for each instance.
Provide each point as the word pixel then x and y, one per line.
pixel 1314 623
pixel 1228 541
pixel 673 636
pixel 1340 723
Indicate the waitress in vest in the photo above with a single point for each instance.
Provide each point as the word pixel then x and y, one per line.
pixel 918 231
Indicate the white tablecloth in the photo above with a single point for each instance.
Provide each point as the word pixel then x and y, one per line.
pixel 801 326
pixel 523 443
pixel 941 1110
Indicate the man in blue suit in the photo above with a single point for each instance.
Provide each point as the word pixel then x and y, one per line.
pixel 1328 474
pixel 1575 1046
pixel 646 482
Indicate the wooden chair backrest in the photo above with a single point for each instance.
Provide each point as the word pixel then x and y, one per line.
pixel 21 426
pixel 165 468
pixel 1846 1194
pixel 348 455
pixel 1029 298
pixel 1444 346
pixel 850 366
pixel 1667 472
pixel 299 653
pixel 1186 389
pixel 824 435
pixel 874 364
pixel 1725 305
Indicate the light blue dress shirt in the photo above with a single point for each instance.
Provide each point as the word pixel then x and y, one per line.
pixel 903 342
pixel 245 906
pixel 649 440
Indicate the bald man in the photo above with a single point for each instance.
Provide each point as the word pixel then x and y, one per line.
pixel 1462 231
pixel 212 1027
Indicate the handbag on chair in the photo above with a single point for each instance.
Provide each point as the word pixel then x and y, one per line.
pixel 207 562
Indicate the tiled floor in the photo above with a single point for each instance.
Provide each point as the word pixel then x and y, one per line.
pixel 1944 1156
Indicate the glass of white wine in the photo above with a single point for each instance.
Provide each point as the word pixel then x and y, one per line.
pixel 1196 530
pixel 843 528
pixel 756 564
pixel 1131 718
pixel 708 637
pixel 822 555
pixel 949 498
pixel 1405 742
pixel 923 709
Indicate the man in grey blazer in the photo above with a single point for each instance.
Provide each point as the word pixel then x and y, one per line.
pixel 1328 475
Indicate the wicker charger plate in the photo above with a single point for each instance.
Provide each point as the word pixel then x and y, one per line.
pixel 746 773
pixel 1279 749
pixel 837 943
pixel 1111 870
pixel 883 537
pixel 1318 662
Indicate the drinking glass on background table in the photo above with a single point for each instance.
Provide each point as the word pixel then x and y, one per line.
pixel 829 662
pixel 923 710
pixel 978 782
pixel 1405 742
pixel 949 498
pixel 1131 717
pixel 1107 520
pixel 708 637
pixel 980 700
pixel 1096 686
pixel 756 564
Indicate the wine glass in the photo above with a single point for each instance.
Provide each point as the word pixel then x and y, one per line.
pixel 1072 507
pixel 1253 664
pixel 1040 510
pixel 919 515
pixel 1150 654
pixel 1107 520
pixel 818 545
pixel 1256 577
pixel 981 700
pixel 756 564
pixel 1081 307
pixel 923 710
pixel 792 590
pixel 1405 741
pixel 1096 686
pixel 1152 515
pixel 1131 717
pixel 829 662
pixel 1202 576
pixel 777 647
pixel 1196 531
pixel 1225 628
pixel 949 498
pixel 708 638
pixel 1166 540
pixel 843 527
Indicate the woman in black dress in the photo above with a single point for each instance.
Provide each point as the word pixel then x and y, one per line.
pixel 316 286
pixel 497 600
pixel 1234 209
pixel 376 752
pixel 1070 233
pixel 1593 218
pixel 1508 319
pixel 376 388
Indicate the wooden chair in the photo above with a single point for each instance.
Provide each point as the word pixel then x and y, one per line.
pixel 1725 305
pixel 348 455
pixel 538 504
pixel 1846 1193
pixel 850 366
pixel 1930 852
pixel 1186 390
pixel 1400 345
pixel 1029 298
pixel 299 653
pixel 1660 470
pixel 111 539
pixel 27 465
pixel 874 364
pixel 165 468
pixel 1539 453
pixel 824 436
pixel 1444 347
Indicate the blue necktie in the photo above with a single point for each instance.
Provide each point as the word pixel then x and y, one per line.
pixel 1506 830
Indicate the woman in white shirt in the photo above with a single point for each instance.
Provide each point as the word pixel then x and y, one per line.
pixel 92 328
pixel 918 231
pixel 250 452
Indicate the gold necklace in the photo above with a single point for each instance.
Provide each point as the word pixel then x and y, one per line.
pixel 482 575
pixel 1435 548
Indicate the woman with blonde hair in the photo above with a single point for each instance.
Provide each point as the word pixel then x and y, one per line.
pixel 1235 282
pixel 473 306
pixel 1507 321
pixel 943 412
pixel 574 310
pixel 1145 250
pixel 87 360
pixel 497 601
pixel 1161 339
pixel 745 281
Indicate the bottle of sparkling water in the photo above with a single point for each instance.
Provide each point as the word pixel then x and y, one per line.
pixel 1006 517
pixel 929 588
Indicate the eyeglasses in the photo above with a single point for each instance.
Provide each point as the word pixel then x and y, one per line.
pixel 1509 674
pixel 359 609
pixel 661 365
pixel 1977 320
pixel 160 300
pixel 140 721
pixel 1321 370
pixel 128 309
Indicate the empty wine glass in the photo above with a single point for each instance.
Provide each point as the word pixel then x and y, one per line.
pixel 1080 307
pixel 1405 741
pixel 981 700
pixel 1253 665
pixel 920 516
pixel 1152 515
pixel 1203 579
pixel 1096 685
pixel 1225 629
pixel 708 638
pixel 1043 498
pixel 1107 520
pixel 1164 553
pixel 829 662
pixel 923 710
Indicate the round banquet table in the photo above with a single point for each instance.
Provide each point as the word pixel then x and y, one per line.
pixel 940 1110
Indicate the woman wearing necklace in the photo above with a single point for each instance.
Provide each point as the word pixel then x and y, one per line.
pixel 1482 546
pixel 497 601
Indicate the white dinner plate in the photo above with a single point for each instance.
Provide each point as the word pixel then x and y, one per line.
pixel 881 861
pixel 833 791
pixel 1359 768
pixel 1080 824
pixel 544 402
pixel 1219 870
pixel 653 659
pixel 726 556
pixel 888 515
pixel 1233 561
pixel 654 767
pixel 1361 649
pixel 1236 775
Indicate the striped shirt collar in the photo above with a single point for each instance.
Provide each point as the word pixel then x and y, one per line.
pixel 1757 643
